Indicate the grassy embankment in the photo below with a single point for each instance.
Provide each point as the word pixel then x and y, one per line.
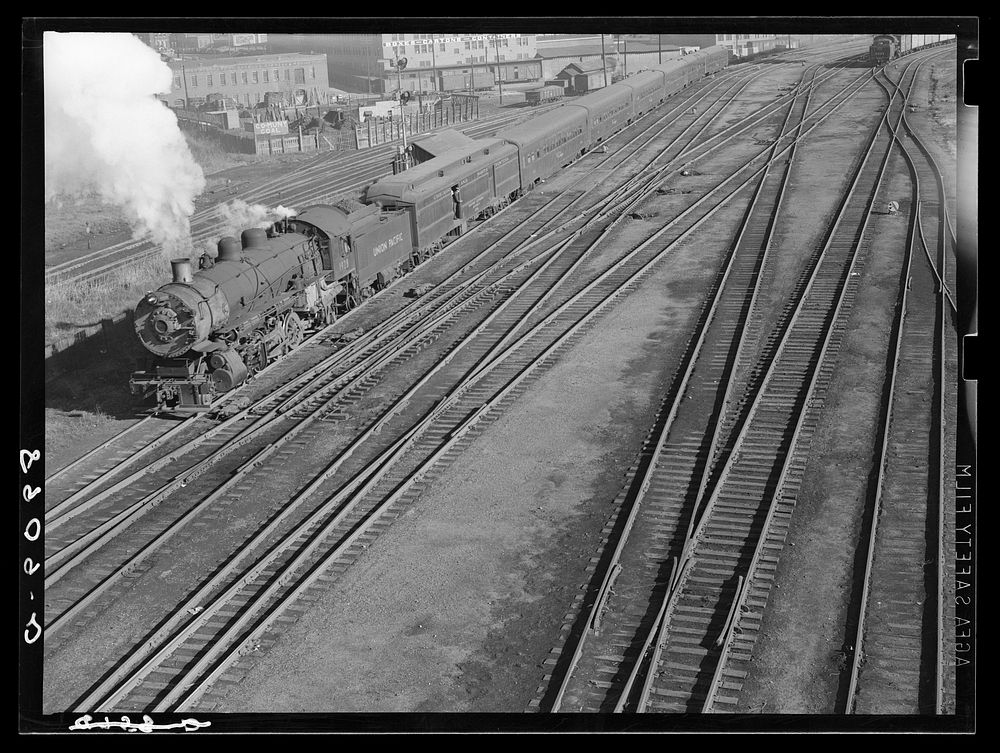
pixel 70 308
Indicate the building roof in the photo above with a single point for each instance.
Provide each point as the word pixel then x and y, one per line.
pixel 242 59
pixel 584 50
pixel 580 69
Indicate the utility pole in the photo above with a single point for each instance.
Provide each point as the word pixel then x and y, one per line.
pixel 659 43
pixel 625 58
pixel 496 51
pixel 604 65
pixel 433 65
pixel 184 79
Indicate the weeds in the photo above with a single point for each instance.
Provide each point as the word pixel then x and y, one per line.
pixel 74 306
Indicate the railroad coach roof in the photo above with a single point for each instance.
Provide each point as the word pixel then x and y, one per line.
pixel 643 78
pixel 603 97
pixel 453 164
pixel 331 220
pixel 672 66
pixel 393 185
pixel 443 141
pixel 544 124
pixel 459 172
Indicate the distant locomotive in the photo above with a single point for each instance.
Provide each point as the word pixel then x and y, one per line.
pixel 884 47
pixel 211 329
pixel 887 47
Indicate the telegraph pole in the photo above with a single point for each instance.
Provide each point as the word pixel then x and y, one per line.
pixel 659 43
pixel 433 64
pixel 496 51
pixel 604 65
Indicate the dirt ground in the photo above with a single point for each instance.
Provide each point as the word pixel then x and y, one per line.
pixel 806 639
pixel 457 605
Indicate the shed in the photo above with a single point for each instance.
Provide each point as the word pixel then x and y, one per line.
pixel 584 77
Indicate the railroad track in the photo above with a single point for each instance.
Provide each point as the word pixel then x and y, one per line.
pixel 595 680
pixel 289 190
pixel 901 663
pixel 309 184
pixel 405 406
pixel 709 550
pixel 114 462
pixel 95 526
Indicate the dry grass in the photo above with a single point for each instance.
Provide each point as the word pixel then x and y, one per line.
pixel 212 158
pixel 72 307
pixel 66 219
pixel 64 431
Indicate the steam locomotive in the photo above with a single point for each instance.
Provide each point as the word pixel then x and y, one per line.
pixel 210 330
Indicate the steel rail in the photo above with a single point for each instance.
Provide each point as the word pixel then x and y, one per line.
pixel 318 368
pixel 115 525
pixel 765 528
pixel 689 368
pixel 498 360
pixel 487 128
pixel 883 459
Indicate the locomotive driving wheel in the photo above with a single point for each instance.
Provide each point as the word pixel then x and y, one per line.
pixel 295 330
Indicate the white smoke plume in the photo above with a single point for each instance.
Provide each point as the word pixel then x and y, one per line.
pixel 237 215
pixel 106 133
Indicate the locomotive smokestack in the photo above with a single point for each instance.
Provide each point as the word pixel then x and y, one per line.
pixel 254 237
pixel 229 249
pixel 182 270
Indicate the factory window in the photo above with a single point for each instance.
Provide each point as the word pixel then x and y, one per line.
pixel 194 80
pixel 288 74
pixel 255 79
pixel 245 78
pixel 177 82
pixel 425 63
pixel 506 43
pixel 232 78
pixel 442 47
pixel 300 75
pixel 209 79
pixel 276 76
pixel 312 72
pixel 267 76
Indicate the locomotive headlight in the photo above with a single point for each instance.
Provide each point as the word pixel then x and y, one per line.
pixel 151 299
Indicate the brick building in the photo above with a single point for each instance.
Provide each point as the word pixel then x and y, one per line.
pixel 364 62
pixel 294 78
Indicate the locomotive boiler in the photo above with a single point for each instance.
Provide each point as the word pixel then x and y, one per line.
pixel 212 329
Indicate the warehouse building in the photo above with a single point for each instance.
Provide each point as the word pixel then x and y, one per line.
pixel 435 62
pixel 290 78
pixel 621 59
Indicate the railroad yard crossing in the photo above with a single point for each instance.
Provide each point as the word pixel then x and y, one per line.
pixel 672 433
